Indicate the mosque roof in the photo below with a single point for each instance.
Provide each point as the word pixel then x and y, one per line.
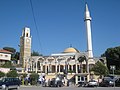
pixel 71 50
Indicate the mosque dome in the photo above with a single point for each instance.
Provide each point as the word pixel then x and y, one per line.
pixel 71 50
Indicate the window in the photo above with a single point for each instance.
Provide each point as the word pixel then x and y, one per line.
pixel 6 55
pixel 1 55
pixel 26 34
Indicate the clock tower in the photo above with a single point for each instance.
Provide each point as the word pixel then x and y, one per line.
pixel 25 46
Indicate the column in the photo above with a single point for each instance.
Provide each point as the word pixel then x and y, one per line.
pixel 68 67
pixel 59 68
pixel 55 67
pixel 45 67
pixel 41 68
pixel 72 67
pixel 36 67
pixel 76 77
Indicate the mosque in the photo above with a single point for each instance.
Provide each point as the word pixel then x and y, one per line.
pixel 71 62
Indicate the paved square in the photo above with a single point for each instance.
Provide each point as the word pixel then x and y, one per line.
pixel 67 88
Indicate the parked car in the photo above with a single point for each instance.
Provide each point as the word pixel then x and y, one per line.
pixel 92 83
pixel 56 82
pixel 107 82
pixel 9 83
pixel 117 82
pixel 81 83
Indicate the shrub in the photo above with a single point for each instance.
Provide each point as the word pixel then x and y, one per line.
pixel 34 78
pixel 12 73
pixel 2 74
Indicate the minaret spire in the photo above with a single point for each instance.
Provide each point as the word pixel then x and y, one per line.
pixel 87 13
pixel 87 20
pixel 86 8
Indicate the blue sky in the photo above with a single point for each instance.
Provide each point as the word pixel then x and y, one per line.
pixel 60 23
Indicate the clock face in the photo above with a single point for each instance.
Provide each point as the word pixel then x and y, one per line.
pixel 28 40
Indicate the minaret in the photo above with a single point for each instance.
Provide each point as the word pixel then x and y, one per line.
pixel 25 46
pixel 87 20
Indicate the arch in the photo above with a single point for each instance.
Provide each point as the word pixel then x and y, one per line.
pixel 38 65
pixel 26 34
pixel 50 60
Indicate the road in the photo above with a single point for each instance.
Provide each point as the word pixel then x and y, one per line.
pixel 67 88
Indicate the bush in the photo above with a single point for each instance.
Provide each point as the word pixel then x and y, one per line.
pixel 70 71
pixel 2 74
pixel 117 72
pixel 12 73
pixel 34 78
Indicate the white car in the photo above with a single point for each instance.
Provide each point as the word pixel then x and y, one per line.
pixel 92 83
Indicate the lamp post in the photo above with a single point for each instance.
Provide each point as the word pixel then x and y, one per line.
pixel 112 67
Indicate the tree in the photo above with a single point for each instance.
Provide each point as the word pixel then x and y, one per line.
pixel 34 78
pixel 15 56
pixel 113 57
pixel 7 65
pixel 81 59
pixel 12 73
pixel 100 69
pixel 10 49
pixel 2 74
pixel 34 53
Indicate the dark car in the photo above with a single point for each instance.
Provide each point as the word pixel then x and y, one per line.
pixel 81 83
pixel 117 82
pixel 107 82
pixel 56 82
pixel 9 83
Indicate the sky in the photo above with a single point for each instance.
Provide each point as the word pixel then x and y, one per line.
pixel 60 24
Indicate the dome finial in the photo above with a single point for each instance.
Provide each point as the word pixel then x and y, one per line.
pixel 70 45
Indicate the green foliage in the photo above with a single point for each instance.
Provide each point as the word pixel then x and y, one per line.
pixel 100 69
pixel 34 53
pixel 24 75
pixel 70 71
pixel 2 74
pixel 81 59
pixel 12 73
pixel 113 57
pixel 117 72
pixel 15 56
pixel 34 78
pixel 7 65
pixel 10 49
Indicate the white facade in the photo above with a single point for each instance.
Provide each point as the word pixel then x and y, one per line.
pixel 60 63
pixel 4 56
pixel 88 29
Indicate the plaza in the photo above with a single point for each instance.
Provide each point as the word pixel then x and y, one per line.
pixel 67 88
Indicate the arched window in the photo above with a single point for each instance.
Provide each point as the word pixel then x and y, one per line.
pixel 26 34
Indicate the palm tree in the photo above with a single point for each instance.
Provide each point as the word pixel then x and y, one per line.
pixel 81 59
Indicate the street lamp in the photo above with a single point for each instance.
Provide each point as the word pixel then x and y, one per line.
pixel 112 67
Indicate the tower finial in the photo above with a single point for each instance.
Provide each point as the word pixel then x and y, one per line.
pixel 70 45
pixel 86 7
pixel 87 13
